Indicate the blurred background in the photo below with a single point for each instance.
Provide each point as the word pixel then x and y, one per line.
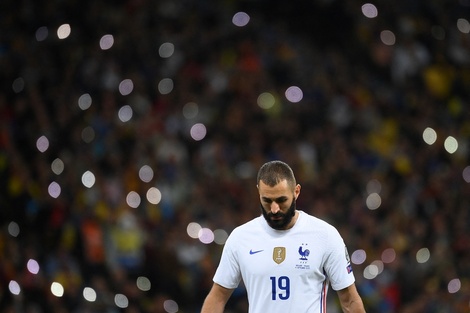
pixel 131 132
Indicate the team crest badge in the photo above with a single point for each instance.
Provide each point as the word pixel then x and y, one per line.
pixel 304 254
pixel 279 254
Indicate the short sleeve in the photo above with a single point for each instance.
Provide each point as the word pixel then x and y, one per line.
pixel 337 262
pixel 228 272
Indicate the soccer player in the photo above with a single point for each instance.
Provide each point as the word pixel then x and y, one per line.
pixel 286 257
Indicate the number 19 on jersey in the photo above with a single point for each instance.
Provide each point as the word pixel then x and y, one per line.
pixel 280 287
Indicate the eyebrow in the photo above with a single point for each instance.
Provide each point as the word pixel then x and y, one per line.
pixel 277 200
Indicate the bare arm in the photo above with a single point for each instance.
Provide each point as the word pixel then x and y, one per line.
pixel 216 299
pixel 350 300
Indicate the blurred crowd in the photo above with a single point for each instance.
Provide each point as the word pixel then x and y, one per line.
pixel 370 87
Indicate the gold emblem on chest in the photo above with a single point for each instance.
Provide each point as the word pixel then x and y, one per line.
pixel 279 254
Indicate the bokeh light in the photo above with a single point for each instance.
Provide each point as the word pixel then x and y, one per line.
pixel 57 166
pixel 125 113
pixel 379 265
pixel 89 294
pixel 18 85
pixel 387 37
pixel 88 179
pixel 466 174
pixel 206 236
pixel 463 25
pixel 106 42
pixel 166 50
pixel 451 145
pixel 423 255
pixel 85 101
pixel 14 287
pixel 146 173
pixel 294 94
pixel 190 110
pixel 165 86
pixel 429 136
pixel 54 189
pixel 220 236
pixel 193 230
pixel 198 131
pixel 266 100
pixel 373 186
pixel 154 195
pixel 371 271
pixel 88 134
pixel 143 283
pixel 389 255
pixel 13 229
pixel 42 33
pixel 133 199
pixel 42 144
pixel 126 87
pixel 454 285
pixel 240 19
pixel 64 31
pixel 32 266
pixel 373 201
pixel 57 289
pixel 170 306
pixel 369 10
pixel 121 301
pixel 359 256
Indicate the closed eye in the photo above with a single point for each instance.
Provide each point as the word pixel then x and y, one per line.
pixel 277 200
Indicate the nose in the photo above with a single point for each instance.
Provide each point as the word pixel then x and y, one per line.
pixel 274 207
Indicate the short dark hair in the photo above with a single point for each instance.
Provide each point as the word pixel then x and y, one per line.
pixel 273 172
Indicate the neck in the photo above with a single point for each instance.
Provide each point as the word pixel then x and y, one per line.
pixel 293 221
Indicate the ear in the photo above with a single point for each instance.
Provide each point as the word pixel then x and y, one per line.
pixel 297 191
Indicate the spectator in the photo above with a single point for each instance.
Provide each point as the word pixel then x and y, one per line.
pixel 357 134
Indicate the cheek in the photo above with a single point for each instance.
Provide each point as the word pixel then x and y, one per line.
pixel 285 208
pixel 266 207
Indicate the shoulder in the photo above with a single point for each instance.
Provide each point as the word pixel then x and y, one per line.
pixel 247 229
pixel 318 227
pixel 317 223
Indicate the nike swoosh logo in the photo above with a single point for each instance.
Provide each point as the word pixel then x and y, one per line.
pixel 254 252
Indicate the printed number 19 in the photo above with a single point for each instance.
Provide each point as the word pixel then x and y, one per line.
pixel 283 283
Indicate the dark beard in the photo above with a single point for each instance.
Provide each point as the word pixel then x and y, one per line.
pixel 282 223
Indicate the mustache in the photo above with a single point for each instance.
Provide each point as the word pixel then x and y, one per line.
pixel 280 220
pixel 276 214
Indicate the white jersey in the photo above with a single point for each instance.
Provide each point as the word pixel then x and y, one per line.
pixel 285 270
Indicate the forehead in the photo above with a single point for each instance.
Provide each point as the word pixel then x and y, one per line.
pixel 281 189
